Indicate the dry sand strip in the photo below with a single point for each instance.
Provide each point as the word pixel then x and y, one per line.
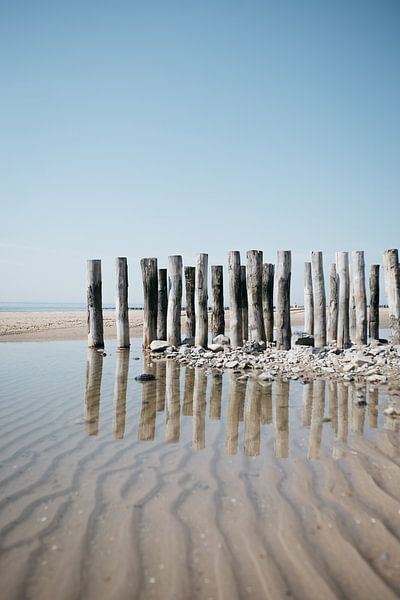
pixel 53 326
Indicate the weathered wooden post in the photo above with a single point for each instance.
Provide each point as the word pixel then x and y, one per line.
pixel 201 298
pixel 150 302
pixel 120 388
pixel 283 275
pixel 374 302
pixel 94 305
pixel 217 291
pixel 352 307
pixel 308 300
pixel 121 303
pixel 392 284
pixel 342 267
pixel 317 273
pixel 360 297
pixel 268 300
pixel 244 303
pixel 254 292
pixel 333 305
pixel 162 305
pixel 190 312
pixel 174 300
pixel 235 313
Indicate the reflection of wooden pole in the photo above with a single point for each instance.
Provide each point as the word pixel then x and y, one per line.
pixel 120 387
pixel 215 397
pixel 332 402
pixel 94 370
pixel 121 303
pixel 342 397
pixel 172 397
pixel 373 399
pixel 237 392
pixel 199 409
pixel 360 394
pixel 252 419
pixel 282 419
pixel 266 403
pixel 306 404
pixel 187 408
pixel 160 385
pixel 316 419
pixel 190 311
pixel 94 305
pixel 147 422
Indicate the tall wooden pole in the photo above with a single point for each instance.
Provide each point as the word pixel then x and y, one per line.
pixel 190 311
pixel 268 300
pixel 162 305
pixel 94 305
pixel 244 303
pixel 174 301
pixel 121 304
pixel 360 297
pixel 308 300
pixel 343 277
pixel 201 298
pixel 317 272
pixel 374 302
pixel 392 284
pixel 283 275
pixel 254 292
pixel 333 305
pixel 352 307
pixel 150 295
pixel 217 290
pixel 235 313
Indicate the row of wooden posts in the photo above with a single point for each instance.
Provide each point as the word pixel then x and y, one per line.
pixel 251 309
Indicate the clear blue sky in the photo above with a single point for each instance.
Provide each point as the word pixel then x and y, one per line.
pixel 155 128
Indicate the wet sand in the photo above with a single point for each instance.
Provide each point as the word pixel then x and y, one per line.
pixel 30 326
pixel 191 486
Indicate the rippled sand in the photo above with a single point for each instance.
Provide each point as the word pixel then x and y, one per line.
pixel 190 486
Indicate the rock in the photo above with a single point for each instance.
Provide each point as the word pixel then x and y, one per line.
pixel 392 412
pixel 224 340
pixel 158 345
pixel 302 339
pixel 216 347
pixel 145 377
pixel 265 376
pixel 189 341
pixel 231 364
pixel 184 350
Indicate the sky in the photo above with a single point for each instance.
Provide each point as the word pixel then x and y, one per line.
pixel 156 128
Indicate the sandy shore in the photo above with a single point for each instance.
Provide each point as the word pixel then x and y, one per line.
pixel 48 326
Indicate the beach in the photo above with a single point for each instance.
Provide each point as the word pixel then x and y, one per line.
pixel 51 326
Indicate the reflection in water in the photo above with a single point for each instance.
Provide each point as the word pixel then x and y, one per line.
pixel 237 392
pixel 94 370
pixel 120 387
pixel 199 409
pixel 252 419
pixel 282 419
pixel 233 399
pixel 317 415
pixel 172 398
pixel 215 397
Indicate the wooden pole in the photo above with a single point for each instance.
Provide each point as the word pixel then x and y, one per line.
pixel 244 303
pixel 254 292
pixel 392 285
pixel 201 298
pixel 333 305
pixel 374 302
pixel 217 291
pixel 342 268
pixel 121 304
pixel 150 302
pixel 162 305
pixel 94 305
pixel 174 300
pixel 235 313
pixel 308 300
pixel 317 273
pixel 352 308
pixel 283 275
pixel 360 297
pixel 190 312
pixel 268 300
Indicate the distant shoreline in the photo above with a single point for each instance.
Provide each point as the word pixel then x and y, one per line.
pixel 19 326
